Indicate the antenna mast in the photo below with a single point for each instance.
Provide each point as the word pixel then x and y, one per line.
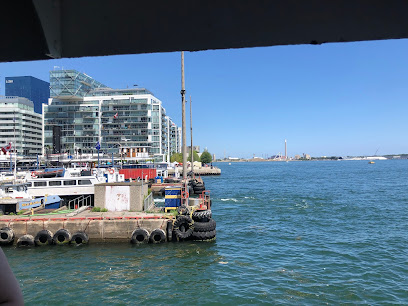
pixel 183 116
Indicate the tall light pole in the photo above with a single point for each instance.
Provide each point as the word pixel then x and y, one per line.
pixel 183 116
pixel 191 132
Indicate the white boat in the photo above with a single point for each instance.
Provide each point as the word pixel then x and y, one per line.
pixel 11 195
pixel 63 186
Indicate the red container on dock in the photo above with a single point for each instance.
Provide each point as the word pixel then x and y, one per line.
pixel 138 173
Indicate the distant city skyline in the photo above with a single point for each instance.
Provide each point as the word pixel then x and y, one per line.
pixel 343 99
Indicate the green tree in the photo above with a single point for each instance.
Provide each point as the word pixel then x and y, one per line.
pixel 196 157
pixel 206 157
pixel 178 157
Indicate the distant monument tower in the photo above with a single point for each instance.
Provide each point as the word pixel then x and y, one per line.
pixel 286 150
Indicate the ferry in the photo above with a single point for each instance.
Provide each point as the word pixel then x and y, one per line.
pixel 63 186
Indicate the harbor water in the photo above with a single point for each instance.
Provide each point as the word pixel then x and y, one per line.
pixel 301 233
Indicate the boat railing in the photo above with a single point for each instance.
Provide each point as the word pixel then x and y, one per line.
pixel 80 201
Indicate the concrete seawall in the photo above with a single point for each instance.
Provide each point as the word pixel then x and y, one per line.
pixel 100 227
pixel 197 171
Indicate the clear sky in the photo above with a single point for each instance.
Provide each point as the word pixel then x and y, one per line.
pixel 331 99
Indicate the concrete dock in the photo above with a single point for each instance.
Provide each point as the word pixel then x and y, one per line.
pixel 99 226
pixel 203 171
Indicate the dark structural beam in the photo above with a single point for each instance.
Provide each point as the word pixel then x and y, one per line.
pixel 42 29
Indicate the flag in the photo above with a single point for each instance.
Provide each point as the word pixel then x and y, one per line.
pixel 6 148
pixel 115 116
pixel 98 146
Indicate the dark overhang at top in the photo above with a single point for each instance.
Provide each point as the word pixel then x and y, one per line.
pixel 43 29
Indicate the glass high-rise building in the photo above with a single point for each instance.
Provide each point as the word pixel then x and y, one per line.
pixel 132 121
pixel 29 87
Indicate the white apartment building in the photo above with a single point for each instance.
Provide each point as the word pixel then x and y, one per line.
pixel 20 125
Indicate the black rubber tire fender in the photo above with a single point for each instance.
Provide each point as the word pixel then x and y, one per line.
pixel 79 238
pixel 205 226
pixel 204 235
pixel 6 236
pixel 158 236
pixel 183 227
pixel 202 215
pixel 26 241
pixel 140 236
pixel 43 237
pixel 62 237
pixel 169 230
pixel 183 210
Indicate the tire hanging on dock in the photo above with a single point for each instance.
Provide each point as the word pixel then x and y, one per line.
pixel 62 237
pixel 79 238
pixel 26 241
pixel 204 235
pixel 205 226
pixel 6 236
pixel 183 227
pixel 169 230
pixel 158 236
pixel 183 210
pixel 43 237
pixel 140 236
pixel 202 215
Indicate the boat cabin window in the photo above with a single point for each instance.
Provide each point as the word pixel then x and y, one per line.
pixel 38 184
pixel 70 182
pixel 84 182
pixel 54 183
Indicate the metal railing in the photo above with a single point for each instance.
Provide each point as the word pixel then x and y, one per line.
pixel 80 201
pixel 148 203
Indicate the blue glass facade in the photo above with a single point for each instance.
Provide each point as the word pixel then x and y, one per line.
pixel 29 87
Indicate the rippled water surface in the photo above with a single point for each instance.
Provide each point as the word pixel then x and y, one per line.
pixel 287 233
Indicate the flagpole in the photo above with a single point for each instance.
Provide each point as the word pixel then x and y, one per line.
pixel 15 144
pixel 11 162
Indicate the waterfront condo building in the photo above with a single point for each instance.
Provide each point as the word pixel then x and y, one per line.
pixel 129 122
pixel 20 126
pixel 29 87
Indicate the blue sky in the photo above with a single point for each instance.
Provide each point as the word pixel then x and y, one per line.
pixel 331 99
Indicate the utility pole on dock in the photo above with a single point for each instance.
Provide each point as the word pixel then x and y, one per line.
pixel 183 115
pixel 191 132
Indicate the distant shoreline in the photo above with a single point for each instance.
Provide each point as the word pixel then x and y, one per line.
pixel 368 158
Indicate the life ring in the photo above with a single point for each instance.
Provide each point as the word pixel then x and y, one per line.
pixel 184 194
pixel 111 171
pixel 33 174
